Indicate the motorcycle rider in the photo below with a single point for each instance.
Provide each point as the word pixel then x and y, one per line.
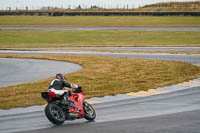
pixel 58 84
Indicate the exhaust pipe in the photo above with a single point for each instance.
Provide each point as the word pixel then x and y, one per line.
pixel 72 116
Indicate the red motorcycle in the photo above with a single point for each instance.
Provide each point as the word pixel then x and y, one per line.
pixel 77 108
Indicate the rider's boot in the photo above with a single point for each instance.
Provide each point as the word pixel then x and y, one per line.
pixel 65 101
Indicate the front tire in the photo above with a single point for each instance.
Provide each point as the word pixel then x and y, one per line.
pixel 89 112
pixel 54 114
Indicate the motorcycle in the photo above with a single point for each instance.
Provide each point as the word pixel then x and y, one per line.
pixel 77 107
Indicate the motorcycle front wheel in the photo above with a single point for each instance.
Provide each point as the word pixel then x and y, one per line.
pixel 54 114
pixel 89 112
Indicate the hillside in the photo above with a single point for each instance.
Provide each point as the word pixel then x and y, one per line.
pixel 172 6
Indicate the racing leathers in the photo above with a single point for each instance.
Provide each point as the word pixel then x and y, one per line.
pixel 57 86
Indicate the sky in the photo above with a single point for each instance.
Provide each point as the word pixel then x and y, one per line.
pixel 37 4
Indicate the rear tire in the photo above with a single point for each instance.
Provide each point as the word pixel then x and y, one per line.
pixel 54 114
pixel 89 112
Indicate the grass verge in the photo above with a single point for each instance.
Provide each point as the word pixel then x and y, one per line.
pixel 110 51
pixel 97 21
pixel 101 76
pixel 14 39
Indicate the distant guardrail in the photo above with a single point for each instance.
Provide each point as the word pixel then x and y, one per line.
pixel 101 13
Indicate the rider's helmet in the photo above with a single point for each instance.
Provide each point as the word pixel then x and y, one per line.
pixel 60 76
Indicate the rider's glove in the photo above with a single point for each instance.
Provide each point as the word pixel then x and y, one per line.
pixel 79 89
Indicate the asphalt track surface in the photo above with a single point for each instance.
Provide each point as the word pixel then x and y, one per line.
pixel 172 112
pixel 192 58
pixel 17 71
pixel 104 28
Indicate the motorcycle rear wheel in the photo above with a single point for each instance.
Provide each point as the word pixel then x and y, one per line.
pixel 54 114
pixel 89 112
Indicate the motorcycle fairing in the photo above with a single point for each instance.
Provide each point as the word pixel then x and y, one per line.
pixel 77 99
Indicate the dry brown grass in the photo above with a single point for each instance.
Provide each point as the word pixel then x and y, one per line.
pixel 101 76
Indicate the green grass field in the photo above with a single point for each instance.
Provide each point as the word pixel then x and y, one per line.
pixel 14 39
pixel 98 21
